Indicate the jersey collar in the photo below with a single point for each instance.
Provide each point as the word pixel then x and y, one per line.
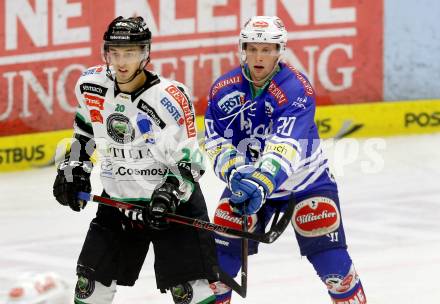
pixel 152 80
pixel 255 92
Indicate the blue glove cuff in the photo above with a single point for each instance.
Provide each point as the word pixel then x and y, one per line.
pixel 264 180
pixel 229 163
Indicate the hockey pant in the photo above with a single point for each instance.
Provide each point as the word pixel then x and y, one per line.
pixel 117 243
pixel 320 235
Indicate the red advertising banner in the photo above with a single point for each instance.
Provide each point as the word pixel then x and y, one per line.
pixel 46 44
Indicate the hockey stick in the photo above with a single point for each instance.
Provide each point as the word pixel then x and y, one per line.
pixel 244 258
pixel 268 237
pixel 227 279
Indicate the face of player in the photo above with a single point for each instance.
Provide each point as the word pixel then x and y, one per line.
pixel 125 60
pixel 261 59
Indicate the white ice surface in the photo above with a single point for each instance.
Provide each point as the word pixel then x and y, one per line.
pixel 391 217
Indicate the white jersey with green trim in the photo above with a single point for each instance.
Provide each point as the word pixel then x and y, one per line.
pixel 139 136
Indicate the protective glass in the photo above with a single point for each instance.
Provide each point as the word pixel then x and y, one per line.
pixel 252 50
pixel 126 55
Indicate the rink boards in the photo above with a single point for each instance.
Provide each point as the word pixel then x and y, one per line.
pixel 356 120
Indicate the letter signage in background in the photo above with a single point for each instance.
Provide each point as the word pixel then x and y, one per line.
pixel 336 45
pixel 45 45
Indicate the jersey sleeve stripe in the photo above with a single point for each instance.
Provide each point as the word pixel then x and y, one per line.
pixel 211 143
pixel 311 177
pixel 293 142
pixel 312 158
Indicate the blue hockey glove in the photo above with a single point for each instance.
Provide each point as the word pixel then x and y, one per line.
pixel 251 186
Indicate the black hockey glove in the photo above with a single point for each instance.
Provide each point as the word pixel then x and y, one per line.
pixel 165 198
pixel 72 177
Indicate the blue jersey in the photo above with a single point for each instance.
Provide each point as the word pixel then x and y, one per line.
pixel 274 130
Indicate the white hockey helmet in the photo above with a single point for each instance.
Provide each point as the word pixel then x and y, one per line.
pixel 263 29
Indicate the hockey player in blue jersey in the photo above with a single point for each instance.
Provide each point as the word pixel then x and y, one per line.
pixel 263 142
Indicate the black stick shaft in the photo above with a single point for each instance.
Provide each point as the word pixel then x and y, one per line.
pixel 180 219
pixel 244 257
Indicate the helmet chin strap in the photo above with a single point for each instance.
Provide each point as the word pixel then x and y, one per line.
pixel 242 63
pixel 138 71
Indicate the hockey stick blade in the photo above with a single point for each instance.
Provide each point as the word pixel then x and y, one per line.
pixel 268 237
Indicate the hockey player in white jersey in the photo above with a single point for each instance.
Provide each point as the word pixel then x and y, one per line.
pixel 142 127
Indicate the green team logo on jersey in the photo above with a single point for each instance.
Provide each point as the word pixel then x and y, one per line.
pixel 120 129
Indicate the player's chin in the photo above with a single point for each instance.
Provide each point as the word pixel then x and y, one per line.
pixel 261 76
pixel 122 76
pixel 261 72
